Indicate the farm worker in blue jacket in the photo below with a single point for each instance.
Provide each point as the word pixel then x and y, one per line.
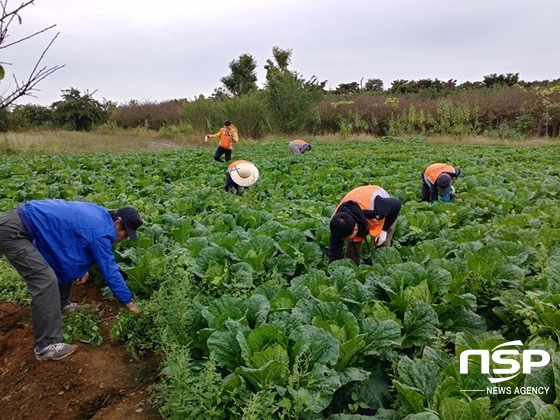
pixel 299 147
pixel 228 135
pixel 241 174
pixel 436 182
pixel 367 210
pixel 52 244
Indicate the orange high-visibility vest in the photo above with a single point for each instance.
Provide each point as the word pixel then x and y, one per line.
pixel 300 142
pixel 227 137
pixel 433 171
pixel 364 196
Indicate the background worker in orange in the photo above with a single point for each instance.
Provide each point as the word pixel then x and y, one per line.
pixel 367 210
pixel 228 136
pixel 436 182
pixel 298 147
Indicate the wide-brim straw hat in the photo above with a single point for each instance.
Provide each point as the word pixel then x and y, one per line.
pixel 244 174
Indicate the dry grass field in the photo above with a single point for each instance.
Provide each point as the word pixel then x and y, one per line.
pixel 72 142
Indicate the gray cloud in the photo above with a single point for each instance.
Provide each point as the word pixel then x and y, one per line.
pixel 155 51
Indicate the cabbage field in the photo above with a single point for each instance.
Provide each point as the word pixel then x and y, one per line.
pixel 251 321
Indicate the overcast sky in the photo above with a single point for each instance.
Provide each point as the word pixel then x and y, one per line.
pixel 156 50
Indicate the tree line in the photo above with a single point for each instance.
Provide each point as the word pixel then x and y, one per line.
pixel 501 105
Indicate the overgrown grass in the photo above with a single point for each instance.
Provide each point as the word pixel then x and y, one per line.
pixel 12 286
pixel 116 140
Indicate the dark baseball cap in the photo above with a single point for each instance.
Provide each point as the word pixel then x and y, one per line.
pixel 131 221
pixel 444 184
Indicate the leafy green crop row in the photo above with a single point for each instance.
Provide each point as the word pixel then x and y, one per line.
pixel 251 320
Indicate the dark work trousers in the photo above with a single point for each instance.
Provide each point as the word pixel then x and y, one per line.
pixel 232 186
pixel 221 151
pixel 425 190
pixel 353 248
pixel 42 284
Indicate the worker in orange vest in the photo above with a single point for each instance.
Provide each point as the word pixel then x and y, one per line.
pixel 299 147
pixel 240 175
pixel 436 182
pixel 367 210
pixel 228 135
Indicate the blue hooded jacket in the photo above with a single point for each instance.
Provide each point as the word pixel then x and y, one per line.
pixel 72 237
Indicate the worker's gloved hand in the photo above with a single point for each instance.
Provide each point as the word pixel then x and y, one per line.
pixel 446 197
pixel 381 238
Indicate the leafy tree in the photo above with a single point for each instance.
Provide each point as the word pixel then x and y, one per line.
pixel 29 115
pixel 494 79
pixel 471 85
pixel 374 85
pixel 424 87
pixel 39 72
pixel 282 59
pixel 243 78
pixel 79 112
pixel 347 88
pixel 291 99
pixel 219 94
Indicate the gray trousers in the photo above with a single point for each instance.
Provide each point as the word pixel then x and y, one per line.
pixel 42 283
pixel 294 148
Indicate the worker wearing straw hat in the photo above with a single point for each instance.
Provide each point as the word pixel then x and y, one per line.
pixel 240 175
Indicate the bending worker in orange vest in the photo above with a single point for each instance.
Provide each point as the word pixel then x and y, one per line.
pixel 436 182
pixel 228 136
pixel 364 210
pixel 299 147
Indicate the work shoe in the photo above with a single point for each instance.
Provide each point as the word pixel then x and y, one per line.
pixel 55 351
pixel 69 308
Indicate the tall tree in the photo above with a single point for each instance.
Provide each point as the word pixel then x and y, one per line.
pixel 79 112
pixel 27 85
pixel 290 98
pixel 494 79
pixel 278 66
pixel 374 85
pixel 243 77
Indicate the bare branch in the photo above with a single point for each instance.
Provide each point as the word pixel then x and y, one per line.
pixel 36 76
pixel 39 72
pixel 26 38
pixel 7 17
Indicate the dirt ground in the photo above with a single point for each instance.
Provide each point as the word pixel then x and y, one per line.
pixel 96 382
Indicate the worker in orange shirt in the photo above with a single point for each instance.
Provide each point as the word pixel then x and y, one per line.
pixel 228 135
pixel 367 210
pixel 436 182
pixel 299 147
pixel 240 175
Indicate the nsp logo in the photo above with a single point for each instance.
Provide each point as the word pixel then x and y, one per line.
pixel 500 357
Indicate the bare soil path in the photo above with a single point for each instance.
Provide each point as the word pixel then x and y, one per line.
pixel 96 382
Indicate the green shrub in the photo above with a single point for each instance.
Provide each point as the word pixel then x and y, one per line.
pixel 249 114
pixel 150 115
pixel 173 130
pixel 30 116
pixel 79 112
pixel 12 286
pixel 82 326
